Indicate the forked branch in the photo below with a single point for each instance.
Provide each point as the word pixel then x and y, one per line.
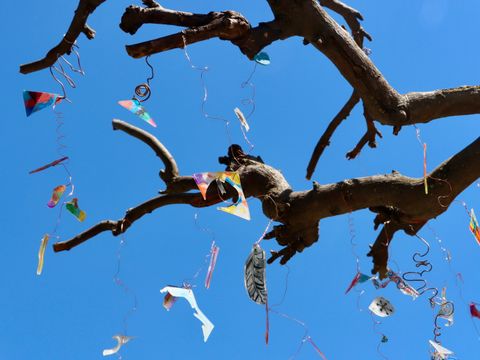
pixel 77 27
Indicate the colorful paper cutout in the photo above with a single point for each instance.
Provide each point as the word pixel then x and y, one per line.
pixel 188 295
pixel 135 107
pixel 121 340
pixel 358 279
pixel 168 301
pixel 403 286
pixel 241 118
pixel 72 206
pixel 41 253
pixel 440 352
pixel 474 228
pixel 262 58
pixel 57 194
pixel 240 208
pixel 213 260
pixel 474 311
pixel 35 100
pixel 255 275
pixel 381 307
pixel 53 163
pixel 446 309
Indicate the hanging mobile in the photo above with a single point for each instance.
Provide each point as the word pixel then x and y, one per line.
pixel 142 93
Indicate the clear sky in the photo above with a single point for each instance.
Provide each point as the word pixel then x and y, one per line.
pixel 74 308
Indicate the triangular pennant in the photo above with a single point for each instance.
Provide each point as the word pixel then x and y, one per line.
pixel 135 107
pixel 35 100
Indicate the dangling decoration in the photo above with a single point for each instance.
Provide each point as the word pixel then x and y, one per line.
pixel 213 260
pixel 255 275
pixel 241 118
pixel 446 309
pixel 403 286
pixel 41 253
pixel 35 100
pixel 240 208
pixel 142 93
pixel 474 228
pixel 381 307
pixel 358 279
pixel 72 206
pixel 188 295
pixel 57 194
pixel 440 353
pixel 135 107
pixel 53 163
pixel 121 340
pixel 262 58
pixel 474 311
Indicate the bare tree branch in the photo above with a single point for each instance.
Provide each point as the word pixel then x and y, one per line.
pixel 325 138
pixel 77 26
pixel 397 200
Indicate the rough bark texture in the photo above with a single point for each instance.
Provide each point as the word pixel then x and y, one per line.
pixel 398 201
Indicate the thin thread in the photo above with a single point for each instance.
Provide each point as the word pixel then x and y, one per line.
pixel 264 232
pixel 375 324
pixel 190 282
pixel 120 283
pixel 203 71
pixel 249 101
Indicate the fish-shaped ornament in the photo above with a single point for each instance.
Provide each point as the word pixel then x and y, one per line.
pixel 255 275
pixel 37 100
pixel 72 206
pixel 41 253
pixel 135 107
pixel 57 194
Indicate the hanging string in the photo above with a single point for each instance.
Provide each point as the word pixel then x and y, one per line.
pixel 383 337
pixel 424 146
pixel 143 91
pixel 306 337
pixel 249 102
pixel 264 232
pixel 203 71
pixel 191 282
pixel 120 283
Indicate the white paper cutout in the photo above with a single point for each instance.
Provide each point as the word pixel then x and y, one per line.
pixel 241 118
pixel 440 352
pixel 381 307
pixel 121 340
pixel 187 294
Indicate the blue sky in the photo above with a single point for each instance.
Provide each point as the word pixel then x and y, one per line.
pixel 73 309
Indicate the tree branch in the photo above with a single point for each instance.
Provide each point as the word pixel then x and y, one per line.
pixel 77 26
pixel 325 138
pixel 399 201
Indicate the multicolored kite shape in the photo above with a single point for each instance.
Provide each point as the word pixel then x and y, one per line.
pixel 72 206
pixel 135 107
pixel 240 208
pixel 474 228
pixel 35 100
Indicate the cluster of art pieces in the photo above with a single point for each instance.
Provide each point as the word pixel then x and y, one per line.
pixel 255 265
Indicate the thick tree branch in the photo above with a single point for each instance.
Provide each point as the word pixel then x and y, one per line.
pixel 77 26
pixel 399 201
